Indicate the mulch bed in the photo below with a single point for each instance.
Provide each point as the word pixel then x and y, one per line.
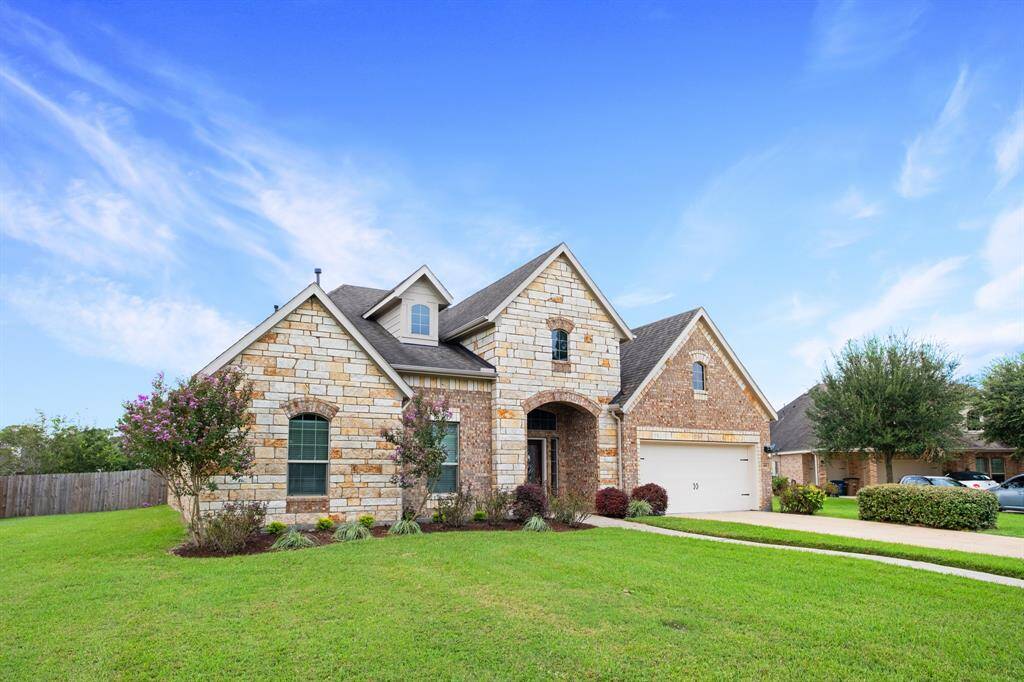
pixel 262 542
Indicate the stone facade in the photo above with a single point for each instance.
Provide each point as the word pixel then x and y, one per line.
pixel 726 411
pixel 308 362
pixel 519 345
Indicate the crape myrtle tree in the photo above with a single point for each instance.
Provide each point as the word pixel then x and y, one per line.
pixel 999 402
pixel 190 434
pixel 419 453
pixel 886 398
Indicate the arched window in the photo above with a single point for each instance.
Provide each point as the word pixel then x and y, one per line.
pixel 698 376
pixel 559 344
pixel 421 319
pixel 308 436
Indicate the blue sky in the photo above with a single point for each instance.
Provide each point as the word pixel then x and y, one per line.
pixel 807 173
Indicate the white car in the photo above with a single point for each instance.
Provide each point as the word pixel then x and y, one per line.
pixel 941 481
pixel 974 479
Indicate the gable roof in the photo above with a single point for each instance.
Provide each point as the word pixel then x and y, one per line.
pixel 638 357
pixel 396 293
pixel 485 305
pixel 312 291
pixel 794 432
pixel 658 342
pixel 451 357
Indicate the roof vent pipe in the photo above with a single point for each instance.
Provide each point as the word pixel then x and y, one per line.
pixel 276 307
pixel 317 271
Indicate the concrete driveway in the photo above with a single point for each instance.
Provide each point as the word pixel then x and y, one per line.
pixel 964 541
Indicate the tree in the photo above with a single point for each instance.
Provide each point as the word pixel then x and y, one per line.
pixel 58 445
pixel 418 444
pixel 191 433
pixel 886 398
pixel 999 403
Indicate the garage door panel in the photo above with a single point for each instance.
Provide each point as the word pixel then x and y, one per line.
pixel 700 477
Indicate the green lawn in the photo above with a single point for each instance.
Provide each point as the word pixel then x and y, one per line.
pixel 779 536
pixel 97 596
pixel 1009 523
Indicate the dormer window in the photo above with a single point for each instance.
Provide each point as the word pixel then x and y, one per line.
pixel 559 344
pixel 421 319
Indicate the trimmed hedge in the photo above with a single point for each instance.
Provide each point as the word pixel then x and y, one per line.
pixel 654 495
pixel 611 502
pixel 922 505
pixel 801 499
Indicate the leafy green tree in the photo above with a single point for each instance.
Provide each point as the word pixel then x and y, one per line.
pixel 887 398
pixel 58 445
pixel 999 403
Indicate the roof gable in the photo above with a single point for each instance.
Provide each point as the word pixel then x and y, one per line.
pixel 485 305
pixel 658 342
pixel 311 291
pixel 423 273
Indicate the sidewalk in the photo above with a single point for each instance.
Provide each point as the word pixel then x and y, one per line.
pixel 605 522
pixel 963 541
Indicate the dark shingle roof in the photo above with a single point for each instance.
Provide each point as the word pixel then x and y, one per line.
pixel 639 356
pixel 354 301
pixel 487 299
pixel 792 431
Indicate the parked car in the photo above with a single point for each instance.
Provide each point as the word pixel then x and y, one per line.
pixel 1011 493
pixel 931 480
pixel 973 479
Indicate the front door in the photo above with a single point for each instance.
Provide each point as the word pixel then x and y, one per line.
pixel 535 461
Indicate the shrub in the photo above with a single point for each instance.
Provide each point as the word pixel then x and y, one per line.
pixel 831 489
pixel 536 524
pixel 919 505
pixel 436 517
pixel 779 483
pixel 227 529
pixel 496 504
pixel 454 509
pixel 293 539
pixel 479 515
pixel 654 495
pixel 325 524
pixel 405 527
pixel 349 532
pixel 638 508
pixel 529 500
pixel 570 508
pixel 801 499
pixel 611 502
pixel 366 521
pixel 276 527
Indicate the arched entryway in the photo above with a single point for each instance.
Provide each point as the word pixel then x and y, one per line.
pixel 561 442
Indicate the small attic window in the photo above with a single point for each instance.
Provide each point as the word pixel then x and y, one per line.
pixel 698 376
pixel 421 319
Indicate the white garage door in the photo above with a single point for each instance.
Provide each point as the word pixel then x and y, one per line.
pixel 701 477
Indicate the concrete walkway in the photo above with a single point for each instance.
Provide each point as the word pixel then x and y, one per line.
pixel 963 541
pixel 605 522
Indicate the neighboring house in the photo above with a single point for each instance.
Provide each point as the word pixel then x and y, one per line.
pixel 793 436
pixel 545 381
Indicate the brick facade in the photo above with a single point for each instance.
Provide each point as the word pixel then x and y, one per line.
pixel 726 411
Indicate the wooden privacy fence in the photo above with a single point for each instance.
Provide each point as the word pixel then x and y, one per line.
pixel 41 494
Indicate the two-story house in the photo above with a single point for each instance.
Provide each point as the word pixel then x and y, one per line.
pixel 545 381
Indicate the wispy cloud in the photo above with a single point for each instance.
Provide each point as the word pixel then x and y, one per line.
pixel 927 157
pixel 797 310
pixel 640 298
pixel 851 34
pixel 1009 148
pixel 101 318
pixel 854 206
pixel 1004 256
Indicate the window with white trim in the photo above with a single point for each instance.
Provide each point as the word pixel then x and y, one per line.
pixel 308 440
pixel 421 319
pixel 698 376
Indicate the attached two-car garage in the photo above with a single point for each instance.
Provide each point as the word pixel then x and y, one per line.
pixel 701 477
